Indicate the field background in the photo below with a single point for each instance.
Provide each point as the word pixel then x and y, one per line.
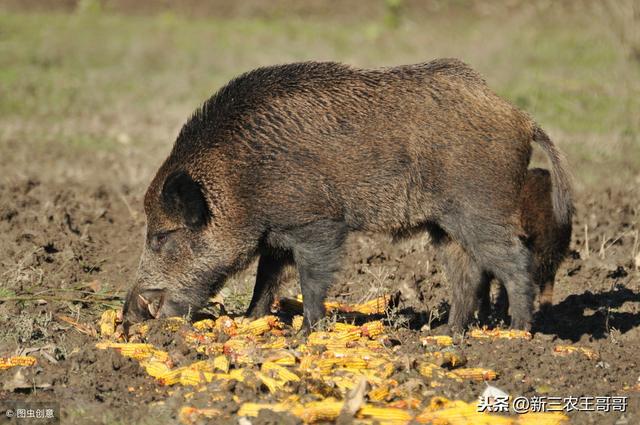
pixel 93 94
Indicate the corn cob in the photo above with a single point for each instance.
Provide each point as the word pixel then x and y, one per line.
pixel 326 410
pixel 275 343
pixel 379 393
pixel 108 323
pixel 155 369
pixel 325 365
pixel 446 358
pixel 281 357
pixel 259 326
pixel 205 325
pixel 136 351
pixel 221 363
pixel 240 350
pixel 372 329
pixel 173 324
pixel 564 350
pixel 296 323
pixel 308 363
pixel 190 415
pixel 475 374
pixel 272 384
pixel 500 333
pixel 378 305
pixel 8 362
pixel 344 327
pixel 435 372
pixel 282 373
pixel 226 325
pixel 211 349
pixel 441 340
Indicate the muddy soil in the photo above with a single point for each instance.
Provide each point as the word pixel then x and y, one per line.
pixel 69 252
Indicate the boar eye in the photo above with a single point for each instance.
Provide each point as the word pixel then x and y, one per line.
pixel 158 240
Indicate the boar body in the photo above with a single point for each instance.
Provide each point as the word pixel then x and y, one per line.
pixel 545 236
pixel 285 161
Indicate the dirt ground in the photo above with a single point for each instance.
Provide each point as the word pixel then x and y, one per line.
pixel 71 219
pixel 85 236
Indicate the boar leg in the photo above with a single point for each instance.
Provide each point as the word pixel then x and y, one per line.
pixel 271 272
pixel 510 263
pixel 467 284
pixel 498 251
pixel 317 249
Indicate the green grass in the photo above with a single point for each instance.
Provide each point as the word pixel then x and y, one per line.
pixel 81 83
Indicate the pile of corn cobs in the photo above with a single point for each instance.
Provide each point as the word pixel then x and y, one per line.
pixel 346 369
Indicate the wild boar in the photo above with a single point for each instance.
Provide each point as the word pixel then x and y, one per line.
pixel 544 235
pixel 284 161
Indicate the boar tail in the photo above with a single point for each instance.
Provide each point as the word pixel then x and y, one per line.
pixel 562 195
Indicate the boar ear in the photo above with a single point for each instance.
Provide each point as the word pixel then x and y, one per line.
pixel 182 196
pixel 151 301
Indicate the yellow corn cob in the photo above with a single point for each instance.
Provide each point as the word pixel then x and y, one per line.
pixel 170 377
pixel 240 350
pixel 155 369
pixel 256 327
pixel 326 410
pixel 441 340
pixel 282 373
pixel 344 327
pixel 376 306
pixel 173 324
pixel 435 372
pixel 379 393
pixel 205 325
pixel 352 363
pixel 211 348
pixel 252 409
pixel 446 358
pixel 296 323
pixel 8 362
pixel 136 351
pixel 372 329
pixel 221 363
pixel 275 343
pixel 475 374
pixel 308 362
pixel 108 323
pixel 500 333
pixel 272 384
pixel 190 415
pixel 563 350
pixel 281 357
pixel 226 325
pixel 318 338
pixel 343 383
pixel 384 414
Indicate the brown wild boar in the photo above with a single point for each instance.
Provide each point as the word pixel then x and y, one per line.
pixel 284 161
pixel 546 237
